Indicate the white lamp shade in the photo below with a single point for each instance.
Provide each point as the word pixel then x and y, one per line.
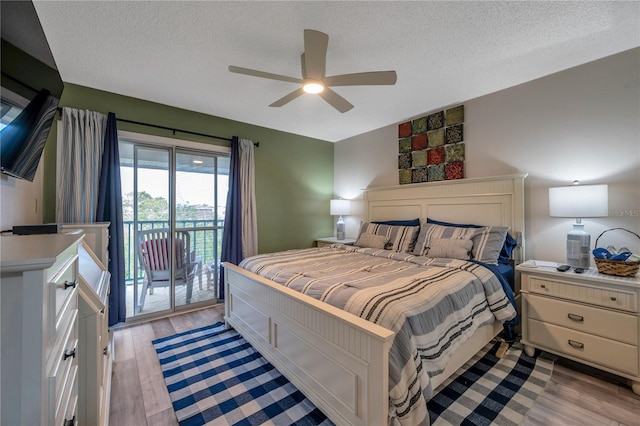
pixel 340 207
pixel 579 201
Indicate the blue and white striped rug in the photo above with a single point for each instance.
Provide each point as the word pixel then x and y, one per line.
pixel 215 377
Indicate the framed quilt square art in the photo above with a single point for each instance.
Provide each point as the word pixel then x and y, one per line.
pixel 431 148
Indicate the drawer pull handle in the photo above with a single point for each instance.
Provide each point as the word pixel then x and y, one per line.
pixel 543 286
pixel 71 284
pixel 70 422
pixel 613 298
pixel 574 317
pixel 576 344
pixel 67 354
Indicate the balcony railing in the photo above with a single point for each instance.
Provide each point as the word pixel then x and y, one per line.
pixel 207 243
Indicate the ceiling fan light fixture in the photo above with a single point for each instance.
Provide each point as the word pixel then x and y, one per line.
pixel 313 87
pixel 314 79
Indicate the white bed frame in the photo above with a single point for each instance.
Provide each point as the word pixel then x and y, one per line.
pixel 338 360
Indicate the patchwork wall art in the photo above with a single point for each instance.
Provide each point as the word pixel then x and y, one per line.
pixel 431 148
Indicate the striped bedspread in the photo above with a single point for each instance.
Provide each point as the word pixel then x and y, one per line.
pixel 433 306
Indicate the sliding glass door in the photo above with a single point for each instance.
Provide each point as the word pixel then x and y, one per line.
pixel 173 211
pixel 201 193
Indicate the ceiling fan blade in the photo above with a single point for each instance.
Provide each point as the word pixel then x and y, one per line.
pixel 304 67
pixel 335 100
pixel 256 73
pixel 288 98
pixel 315 54
pixel 362 79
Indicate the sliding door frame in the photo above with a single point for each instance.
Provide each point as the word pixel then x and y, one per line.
pixel 173 145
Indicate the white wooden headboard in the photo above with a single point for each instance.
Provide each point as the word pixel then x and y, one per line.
pixel 497 201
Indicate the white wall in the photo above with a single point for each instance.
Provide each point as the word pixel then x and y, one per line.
pixel 20 200
pixel 582 123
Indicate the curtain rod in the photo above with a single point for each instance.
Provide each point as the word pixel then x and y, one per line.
pixel 256 144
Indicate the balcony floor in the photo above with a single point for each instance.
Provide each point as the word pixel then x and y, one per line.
pixel 159 300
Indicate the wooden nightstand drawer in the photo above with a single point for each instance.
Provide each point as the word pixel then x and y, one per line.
pixel 607 297
pixel 607 353
pixel 607 324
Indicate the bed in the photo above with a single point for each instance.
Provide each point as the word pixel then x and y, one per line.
pixel 339 360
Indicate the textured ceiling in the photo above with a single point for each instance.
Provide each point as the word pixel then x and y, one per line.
pixel 177 53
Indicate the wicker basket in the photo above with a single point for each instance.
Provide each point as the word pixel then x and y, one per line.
pixel 620 268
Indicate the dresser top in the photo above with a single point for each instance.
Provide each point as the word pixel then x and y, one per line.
pixel 589 275
pixel 23 252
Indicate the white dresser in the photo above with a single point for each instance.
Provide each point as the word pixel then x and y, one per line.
pixel 590 317
pixel 96 349
pixel 39 302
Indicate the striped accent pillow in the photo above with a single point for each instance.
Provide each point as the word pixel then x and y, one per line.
pixel 372 241
pixel 449 248
pixel 487 240
pixel 401 238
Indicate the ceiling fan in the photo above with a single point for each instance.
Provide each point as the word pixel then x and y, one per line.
pixel 314 79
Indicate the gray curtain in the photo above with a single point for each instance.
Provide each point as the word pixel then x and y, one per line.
pixel 248 194
pixel 240 235
pixel 80 164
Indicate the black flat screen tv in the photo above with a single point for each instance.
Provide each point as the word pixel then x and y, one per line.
pixel 23 140
pixel 28 70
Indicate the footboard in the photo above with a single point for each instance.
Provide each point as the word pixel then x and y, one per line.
pixel 338 360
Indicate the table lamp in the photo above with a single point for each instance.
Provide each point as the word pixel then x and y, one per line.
pixel 339 208
pixel 578 202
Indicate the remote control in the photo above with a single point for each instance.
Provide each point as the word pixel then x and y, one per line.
pixel 563 268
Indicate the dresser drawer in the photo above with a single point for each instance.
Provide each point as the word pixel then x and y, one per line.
pixel 67 320
pixel 63 367
pixel 606 297
pixel 607 353
pixel 69 403
pixel 62 289
pixel 588 319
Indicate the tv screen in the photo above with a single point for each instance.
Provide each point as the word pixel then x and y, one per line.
pixel 23 139
pixel 28 71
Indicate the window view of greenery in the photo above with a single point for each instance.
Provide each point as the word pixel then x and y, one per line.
pixel 153 214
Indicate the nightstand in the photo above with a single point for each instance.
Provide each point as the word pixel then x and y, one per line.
pixel 325 241
pixel 591 318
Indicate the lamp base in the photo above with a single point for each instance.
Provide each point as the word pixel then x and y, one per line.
pixel 340 229
pixel 578 247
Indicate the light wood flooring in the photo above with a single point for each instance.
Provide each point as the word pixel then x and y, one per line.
pixel 574 395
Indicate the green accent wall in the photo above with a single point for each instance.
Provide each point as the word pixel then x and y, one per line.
pixel 294 174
